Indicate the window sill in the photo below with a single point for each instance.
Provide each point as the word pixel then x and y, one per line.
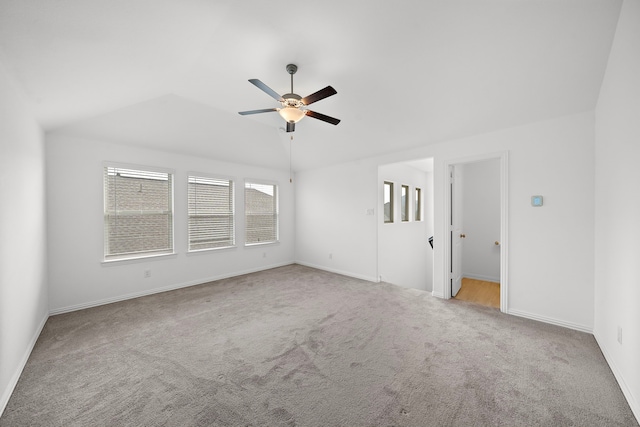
pixel 107 262
pixel 209 250
pixel 251 245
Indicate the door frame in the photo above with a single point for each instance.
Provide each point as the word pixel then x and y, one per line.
pixel 456 220
pixel 504 240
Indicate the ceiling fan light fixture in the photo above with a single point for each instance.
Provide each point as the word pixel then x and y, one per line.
pixel 291 114
pixel 293 105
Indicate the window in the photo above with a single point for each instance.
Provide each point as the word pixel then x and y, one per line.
pixel 211 213
pixel 388 201
pixel 261 213
pixel 404 200
pixel 418 205
pixel 138 213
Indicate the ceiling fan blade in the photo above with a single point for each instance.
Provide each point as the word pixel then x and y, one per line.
pixel 264 110
pixel 266 89
pixel 322 117
pixel 291 127
pixel 321 94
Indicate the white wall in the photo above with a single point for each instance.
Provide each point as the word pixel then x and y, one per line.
pixel 77 276
pixel 551 248
pixel 481 220
pixel 23 275
pixel 404 255
pixel 617 218
pixel 332 206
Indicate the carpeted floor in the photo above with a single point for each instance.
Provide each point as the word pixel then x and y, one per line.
pixel 294 346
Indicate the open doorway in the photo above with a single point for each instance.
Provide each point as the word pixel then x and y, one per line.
pixel 475 236
pixel 476 230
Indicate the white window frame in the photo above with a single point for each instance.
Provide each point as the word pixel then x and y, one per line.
pixel 392 202
pixel 418 204
pixel 109 257
pixel 405 211
pixel 275 212
pixel 232 212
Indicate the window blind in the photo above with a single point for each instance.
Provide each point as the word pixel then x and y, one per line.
pixel 211 213
pixel 261 213
pixel 138 213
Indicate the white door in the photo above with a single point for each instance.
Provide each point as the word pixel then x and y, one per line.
pixel 457 234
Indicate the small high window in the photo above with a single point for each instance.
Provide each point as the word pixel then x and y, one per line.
pixel 388 201
pixel 418 205
pixel 404 206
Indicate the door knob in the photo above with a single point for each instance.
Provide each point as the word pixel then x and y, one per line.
pixel 462 236
pixel 497 243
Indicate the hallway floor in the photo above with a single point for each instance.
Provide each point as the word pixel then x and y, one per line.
pixel 480 292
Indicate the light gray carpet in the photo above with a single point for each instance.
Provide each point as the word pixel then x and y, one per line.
pixel 294 346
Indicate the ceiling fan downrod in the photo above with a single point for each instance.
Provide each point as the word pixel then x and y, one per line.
pixel 291 69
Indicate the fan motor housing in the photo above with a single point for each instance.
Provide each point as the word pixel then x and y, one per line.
pixel 292 100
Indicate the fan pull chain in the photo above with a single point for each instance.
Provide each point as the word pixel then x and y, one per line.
pixel 290 155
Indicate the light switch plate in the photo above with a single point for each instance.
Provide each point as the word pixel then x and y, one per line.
pixel 536 201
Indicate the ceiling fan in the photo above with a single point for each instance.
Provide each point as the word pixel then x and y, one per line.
pixel 292 104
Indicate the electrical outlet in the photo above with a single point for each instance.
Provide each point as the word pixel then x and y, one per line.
pixel 330 256
pixel 264 254
pixel 147 274
pixel 620 334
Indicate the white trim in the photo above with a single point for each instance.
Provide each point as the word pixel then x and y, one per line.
pixel 276 188
pixel 196 282
pixel 107 163
pixel 260 181
pixel 6 395
pixel 112 261
pixel 172 172
pixel 234 216
pixel 634 403
pixel 211 176
pixel 253 245
pixel 504 231
pixel 202 251
pixel 503 156
pixel 341 272
pixel 552 321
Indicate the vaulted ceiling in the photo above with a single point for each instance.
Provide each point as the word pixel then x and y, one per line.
pixel 172 74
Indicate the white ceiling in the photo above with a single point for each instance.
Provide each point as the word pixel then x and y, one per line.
pixel 172 74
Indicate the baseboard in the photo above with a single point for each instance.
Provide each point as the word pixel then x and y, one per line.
pixel 480 277
pixel 6 395
pixel 125 297
pixel 634 403
pixel 564 324
pixel 341 272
